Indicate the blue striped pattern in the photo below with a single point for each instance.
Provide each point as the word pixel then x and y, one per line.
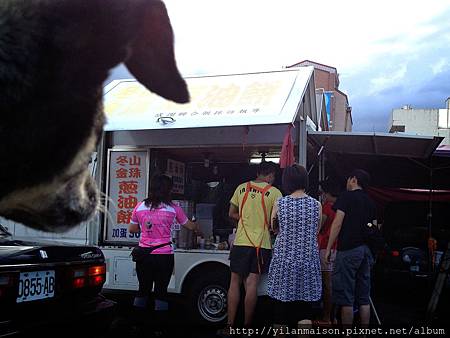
pixel 294 272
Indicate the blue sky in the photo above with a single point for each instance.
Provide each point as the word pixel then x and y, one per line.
pixel 388 53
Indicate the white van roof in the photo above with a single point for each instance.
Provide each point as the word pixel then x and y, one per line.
pixel 216 101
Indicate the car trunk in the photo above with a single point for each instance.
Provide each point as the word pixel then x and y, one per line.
pixel 34 278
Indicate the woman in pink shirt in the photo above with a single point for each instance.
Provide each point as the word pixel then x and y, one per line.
pixel 153 218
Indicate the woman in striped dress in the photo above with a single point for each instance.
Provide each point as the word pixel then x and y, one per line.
pixel 294 281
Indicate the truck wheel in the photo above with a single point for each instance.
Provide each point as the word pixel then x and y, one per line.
pixel 208 297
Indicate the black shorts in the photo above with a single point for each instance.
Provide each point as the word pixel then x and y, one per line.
pixel 290 313
pixel 244 260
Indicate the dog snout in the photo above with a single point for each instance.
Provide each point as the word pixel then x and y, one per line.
pixel 74 203
pixel 57 210
pixel 79 200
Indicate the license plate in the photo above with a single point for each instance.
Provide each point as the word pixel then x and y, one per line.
pixel 36 285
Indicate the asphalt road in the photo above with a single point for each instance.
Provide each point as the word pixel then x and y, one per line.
pixel 396 307
pixel 179 322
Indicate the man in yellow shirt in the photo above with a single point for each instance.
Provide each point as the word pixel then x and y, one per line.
pixel 251 205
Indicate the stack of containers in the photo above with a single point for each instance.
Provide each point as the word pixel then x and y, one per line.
pixel 182 237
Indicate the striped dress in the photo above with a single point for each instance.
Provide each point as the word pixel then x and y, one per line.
pixel 294 273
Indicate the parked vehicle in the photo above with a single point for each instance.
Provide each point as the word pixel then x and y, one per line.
pixel 51 286
pixel 407 263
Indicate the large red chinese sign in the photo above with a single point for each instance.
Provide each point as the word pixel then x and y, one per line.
pixel 127 187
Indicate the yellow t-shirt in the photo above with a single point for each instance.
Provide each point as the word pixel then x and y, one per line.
pixel 253 214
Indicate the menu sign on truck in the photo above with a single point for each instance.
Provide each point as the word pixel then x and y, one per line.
pixel 176 169
pixel 127 186
pixel 216 101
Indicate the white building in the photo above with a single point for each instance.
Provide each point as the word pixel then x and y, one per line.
pixel 431 122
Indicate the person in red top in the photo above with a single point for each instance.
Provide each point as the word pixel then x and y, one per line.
pixel 329 195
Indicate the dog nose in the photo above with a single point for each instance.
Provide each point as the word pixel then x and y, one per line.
pixel 82 200
pixel 91 196
pixel 92 191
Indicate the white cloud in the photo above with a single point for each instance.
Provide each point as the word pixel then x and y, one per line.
pixel 440 66
pixel 233 35
pixel 388 80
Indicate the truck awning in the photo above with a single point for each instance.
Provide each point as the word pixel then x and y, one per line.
pixel 385 144
pixel 216 101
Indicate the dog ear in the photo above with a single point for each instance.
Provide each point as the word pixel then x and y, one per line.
pixel 152 59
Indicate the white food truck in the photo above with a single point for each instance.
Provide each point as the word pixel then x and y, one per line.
pixel 208 146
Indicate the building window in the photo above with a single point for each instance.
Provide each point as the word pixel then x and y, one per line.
pixel 397 129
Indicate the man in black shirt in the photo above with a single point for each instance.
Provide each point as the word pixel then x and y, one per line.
pixel 351 277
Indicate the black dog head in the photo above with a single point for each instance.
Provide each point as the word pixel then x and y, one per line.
pixel 54 57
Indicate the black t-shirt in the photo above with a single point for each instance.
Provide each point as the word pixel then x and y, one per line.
pixel 359 210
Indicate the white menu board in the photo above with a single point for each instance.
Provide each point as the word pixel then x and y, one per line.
pixel 127 186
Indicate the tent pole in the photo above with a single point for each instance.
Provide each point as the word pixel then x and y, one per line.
pixel 302 143
pixel 431 246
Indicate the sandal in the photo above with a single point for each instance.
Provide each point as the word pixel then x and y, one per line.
pixel 321 322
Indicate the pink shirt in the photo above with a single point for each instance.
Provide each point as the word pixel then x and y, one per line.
pixel 156 224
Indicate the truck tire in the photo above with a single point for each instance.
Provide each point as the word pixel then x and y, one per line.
pixel 208 297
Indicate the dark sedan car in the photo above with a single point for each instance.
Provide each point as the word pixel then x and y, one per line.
pixel 48 288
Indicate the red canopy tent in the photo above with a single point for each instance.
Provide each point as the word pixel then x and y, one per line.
pixel 383 196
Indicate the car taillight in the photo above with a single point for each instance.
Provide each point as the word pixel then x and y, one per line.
pixel 395 253
pixel 97 280
pixel 97 270
pixel 79 282
pixel 90 276
pixel 79 278
pixel 97 275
